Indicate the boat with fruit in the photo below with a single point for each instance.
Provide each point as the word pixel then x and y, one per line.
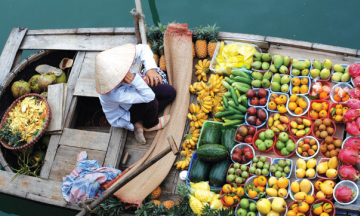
pixel 271 122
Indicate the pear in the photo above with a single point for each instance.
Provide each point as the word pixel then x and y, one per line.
pixel 301 164
pixel 327 64
pixel 34 84
pixel 338 68
pixel 257 75
pixel 256 83
pixel 273 69
pixel 324 73
pixel 276 78
pixel 61 78
pixel 317 64
pixel 308 63
pixel 278 60
pixel 263 206
pixel 347 69
pixel 257 56
pixel 285 79
pixel 336 76
pixel 266 57
pixel 273 213
pixel 256 65
pixel 267 75
pixel 345 77
pixel 286 61
pixel 315 73
pixel 265 83
pixel 285 88
pixel 265 65
pixel 305 72
pixel 299 65
pixel 278 205
pixel 295 60
pixel 295 72
pixel 275 87
pixel 283 69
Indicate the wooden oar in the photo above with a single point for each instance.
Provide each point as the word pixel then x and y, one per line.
pixel 89 208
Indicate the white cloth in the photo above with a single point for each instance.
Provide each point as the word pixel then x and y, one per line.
pixel 116 104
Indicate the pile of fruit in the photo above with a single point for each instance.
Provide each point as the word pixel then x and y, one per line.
pixel 320 90
pixel 265 140
pixel 297 104
pixel 256 116
pixel 231 194
pixel 257 98
pixel 259 166
pixel 242 156
pixel 256 189
pixel 321 70
pixel 330 147
pixel 278 123
pixel 305 169
pixel 337 112
pixel 277 187
pixel 301 190
pixel 261 61
pixel 300 86
pixel 301 208
pixel 323 128
pixel 307 147
pixel 274 207
pixel 300 126
pixel 280 64
pixel 245 134
pixel 341 94
pixel 277 103
pixel 284 144
pixel 319 110
pixel 322 189
pixel 261 80
pixel 247 208
pixel 280 83
pixel 340 74
pixel 300 67
pixel 322 208
pixel 237 174
pixel 281 168
pixel 328 167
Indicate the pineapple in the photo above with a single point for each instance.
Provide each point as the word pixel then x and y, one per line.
pixel 155 49
pixel 153 33
pixel 193 46
pixel 213 37
pixel 168 204
pixel 200 44
pixel 156 193
pixel 162 63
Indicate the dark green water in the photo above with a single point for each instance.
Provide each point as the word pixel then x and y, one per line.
pixel 328 22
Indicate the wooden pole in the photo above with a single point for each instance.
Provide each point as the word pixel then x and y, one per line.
pixel 136 24
pixel 141 22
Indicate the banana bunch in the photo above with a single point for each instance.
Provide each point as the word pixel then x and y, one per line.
pixel 193 88
pixel 185 161
pixel 196 116
pixel 202 69
pixel 191 139
pixel 205 102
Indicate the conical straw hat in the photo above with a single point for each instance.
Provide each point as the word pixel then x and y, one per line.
pixel 112 65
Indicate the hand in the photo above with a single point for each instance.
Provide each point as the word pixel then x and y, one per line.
pixel 129 77
pixel 153 77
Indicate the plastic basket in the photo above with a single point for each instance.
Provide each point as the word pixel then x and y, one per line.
pixel 333 105
pixel 352 82
pixel 317 151
pixel 315 190
pixel 342 85
pixel 350 185
pixel 268 159
pixel 334 126
pixel 242 146
pixel 281 75
pixel 258 126
pixel 238 141
pixel 231 183
pixel 323 142
pixel 319 101
pixel 277 152
pixel 306 160
pixel 306 99
pixel 280 214
pixel 216 53
pixel 311 127
pixel 309 84
pixel 276 160
pixel 288 189
pixel 333 211
pixel 267 98
pixel 323 176
pixel 237 207
pixel 311 64
pixel 333 71
pixel 310 192
pixel 288 125
pixel 257 70
pixel 208 123
pixel 326 83
pixel 257 137
pixel 277 93
pixel 288 73
pixel 188 180
pixel 222 200
pixel 263 72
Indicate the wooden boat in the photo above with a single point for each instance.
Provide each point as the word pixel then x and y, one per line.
pixel 78 100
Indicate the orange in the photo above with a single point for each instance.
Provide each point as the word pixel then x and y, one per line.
pixel 304 81
pixel 345 98
pixel 283 98
pixel 278 101
pixel 252 193
pixel 281 108
pixel 339 106
pixel 293 98
pixel 323 114
pixel 295 207
pixel 283 182
pixel 261 188
pixel 313 105
pixel 273 96
pixel 240 192
pixel 226 188
pixel 317 210
pixel 272 105
pixel 324 214
pixel 327 207
pixel 337 90
pixel 290 213
pixel 317 185
pixel 262 181
pixel 325 106
pixel 233 190
pixel 314 114
pixel 300 214
pixel 292 106
pixel 337 98
pixel 317 107
pixel 303 207
pixel 304 89
pixel 256 182
pixel 295 90
pixel 295 81
pixel 298 111
pixel 326 89
pixel 338 111
pixel 229 200
pixel 236 199
pixel 309 199
pixel 302 104
pixel 323 95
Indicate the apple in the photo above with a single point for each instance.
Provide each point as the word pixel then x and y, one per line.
pixel 269 134
pixel 283 137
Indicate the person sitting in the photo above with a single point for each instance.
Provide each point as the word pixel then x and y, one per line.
pixel 126 98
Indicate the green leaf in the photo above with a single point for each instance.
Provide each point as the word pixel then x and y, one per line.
pixel 317 205
pixel 312 97
pixel 333 112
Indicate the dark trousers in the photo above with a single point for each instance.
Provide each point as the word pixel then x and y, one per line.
pixel 148 112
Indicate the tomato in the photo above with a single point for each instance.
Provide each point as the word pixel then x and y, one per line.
pixel 249 155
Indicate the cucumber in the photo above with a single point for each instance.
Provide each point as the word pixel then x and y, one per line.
pixel 211 134
pixel 243 79
pixel 200 171
pixel 236 111
pixel 212 152
pixel 232 122
pixel 225 101
pixel 235 117
pixel 244 101
pixel 237 94
pixel 233 95
pixel 227 138
pixel 223 114
pixel 242 88
pixel 240 73
pixel 241 108
pixel 218 171
pixel 226 85
pixel 241 84
pixel 232 76
pixel 228 80
pixel 227 94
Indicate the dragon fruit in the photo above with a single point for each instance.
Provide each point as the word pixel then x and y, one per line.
pixel 354 70
pixel 352 129
pixel 356 81
pixel 353 103
pixel 353 143
pixel 349 156
pixel 350 115
pixel 355 93
pixel 348 172
pixel 344 194
pixel 357 122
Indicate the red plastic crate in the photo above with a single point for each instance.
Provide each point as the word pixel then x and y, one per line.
pixel 222 200
pixel 324 83
pixel 286 129
pixel 334 126
pixel 257 137
pixel 311 127
pixel 277 152
pixel 333 105
pixel 333 211
pixel 334 138
pixel 297 201
pixel 319 101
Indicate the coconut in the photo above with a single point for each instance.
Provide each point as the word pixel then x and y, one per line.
pixel 45 80
pixel 61 78
pixel 34 83
pixel 20 88
pixel 44 94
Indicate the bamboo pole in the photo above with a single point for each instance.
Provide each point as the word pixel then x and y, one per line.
pixel 141 21
pixel 136 24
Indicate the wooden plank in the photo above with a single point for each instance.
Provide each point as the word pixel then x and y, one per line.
pixel 70 117
pixel 103 31
pixel 50 156
pixel 245 38
pixel 10 50
pixel 61 203
pixel 51 32
pixel 76 42
pixel 56 102
pixel 17 59
pixel 88 67
pixel 116 146
pixel 85 139
pixel 118 30
pixel 334 49
pixel 97 129
pixel 288 42
pixel 86 88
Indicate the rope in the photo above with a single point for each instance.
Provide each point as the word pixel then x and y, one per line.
pixel 139 15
